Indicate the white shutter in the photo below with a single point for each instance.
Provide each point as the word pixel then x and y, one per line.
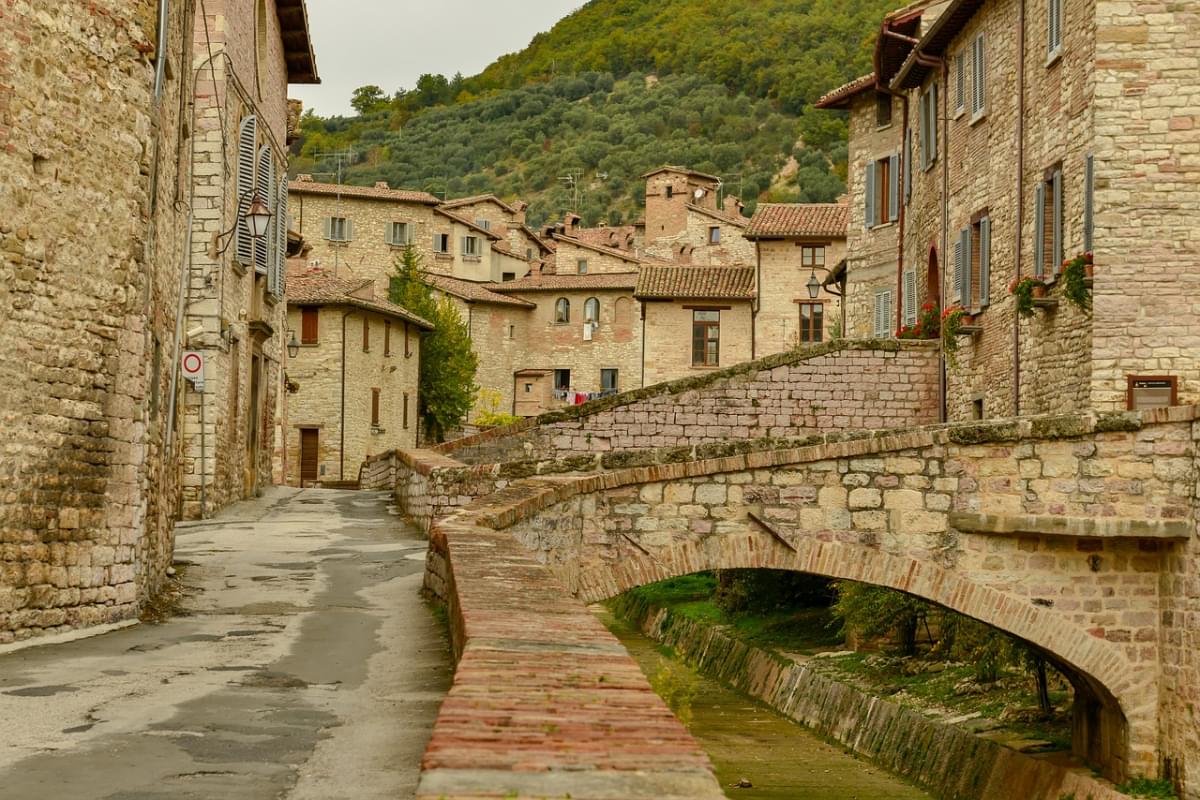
pixel 967 294
pixel 437 243
pixel 985 261
pixel 908 164
pixel 870 199
pixel 1057 251
pixel 281 228
pixel 910 298
pixel 979 67
pixel 348 235
pixel 958 271
pixel 933 122
pixel 894 187
pixel 960 81
pixel 328 227
pixel 1089 203
pixel 923 127
pixel 247 150
pixel 1039 233
pixel 263 189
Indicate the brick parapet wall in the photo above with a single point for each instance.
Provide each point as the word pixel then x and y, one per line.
pixel 836 386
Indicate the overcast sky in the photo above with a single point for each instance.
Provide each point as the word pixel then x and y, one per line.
pixel 392 42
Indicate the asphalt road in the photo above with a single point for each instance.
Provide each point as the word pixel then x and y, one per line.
pixel 303 665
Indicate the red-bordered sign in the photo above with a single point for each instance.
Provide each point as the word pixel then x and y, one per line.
pixel 193 365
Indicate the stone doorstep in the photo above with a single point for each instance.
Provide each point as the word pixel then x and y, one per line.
pixel 1074 527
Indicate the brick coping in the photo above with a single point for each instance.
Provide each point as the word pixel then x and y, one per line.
pixel 688 384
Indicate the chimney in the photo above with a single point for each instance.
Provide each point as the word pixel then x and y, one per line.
pixel 303 178
pixel 733 206
pixel 382 185
pixel 572 221
pixel 520 207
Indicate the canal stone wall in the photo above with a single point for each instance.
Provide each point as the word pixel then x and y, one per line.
pixel 840 385
pixel 949 762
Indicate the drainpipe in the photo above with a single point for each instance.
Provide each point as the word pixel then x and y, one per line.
pixel 342 424
pixel 757 300
pixel 160 67
pixel 904 168
pixel 643 304
pixel 1020 217
pixel 944 124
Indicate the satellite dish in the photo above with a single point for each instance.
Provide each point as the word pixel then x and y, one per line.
pixel 698 194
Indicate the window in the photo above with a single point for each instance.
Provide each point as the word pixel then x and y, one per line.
pixel 973 264
pixel 978 79
pixel 670 191
pixel 441 243
pixel 264 248
pixel 1048 225
pixel 812 255
pixel 374 408
pixel 470 246
pixel 512 332
pixel 407 351
pixel 581 266
pixel 883 313
pixel 247 149
pixel 505 277
pixel 706 338
pixel 714 235
pixel 909 300
pixel 812 323
pixel 928 112
pixel 591 310
pixel 1152 391
pixel 562 380
pixel 1054 25
pixel 483 223
pixel 608 380
pixel 883 109
pixel 308 325
pixel 366 335
pixel 399 234
pixel 387 337
pixel 405 417
pixel 562 310
pixel 338 229
pixel 883 191
pixel 960 82
pixel 529 254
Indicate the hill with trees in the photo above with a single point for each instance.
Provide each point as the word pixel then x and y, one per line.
pixel 613 90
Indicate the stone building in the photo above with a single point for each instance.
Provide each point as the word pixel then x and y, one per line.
pixel 797 245
pixel 244 55
pixel 688 222
pixel 354 381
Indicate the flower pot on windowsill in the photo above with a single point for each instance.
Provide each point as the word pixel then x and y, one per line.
pixel 1039 290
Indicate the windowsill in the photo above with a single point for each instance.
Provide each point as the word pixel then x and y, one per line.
pixel 472 259
pixel 930 165
pixel 338 242
pixel 959 112
pixel 881 226
pixel 238 267
pixel 395 246
pixel 1054 57
pixel 706 368
pixel 442 257
pixel 976 118
pixel 310 344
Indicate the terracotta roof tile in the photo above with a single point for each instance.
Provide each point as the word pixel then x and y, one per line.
pixel 313 286
pixel 720 216
pixel 474 292
pixel 788 220
pixel 479 198
pixel 838 97
pixel 365 192
pixel 606 237
pixel 548 283
pixel 733 283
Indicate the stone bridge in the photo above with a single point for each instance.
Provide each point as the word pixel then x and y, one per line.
pixel 1074 534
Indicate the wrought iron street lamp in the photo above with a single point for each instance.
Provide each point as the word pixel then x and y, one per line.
pixel 814 286
pixel 293 346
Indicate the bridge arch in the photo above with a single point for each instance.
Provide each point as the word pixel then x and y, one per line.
pixel 1100 732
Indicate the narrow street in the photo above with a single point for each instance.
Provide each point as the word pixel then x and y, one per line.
pixel 303 664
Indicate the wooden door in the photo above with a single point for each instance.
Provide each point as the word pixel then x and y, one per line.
pixel 310 439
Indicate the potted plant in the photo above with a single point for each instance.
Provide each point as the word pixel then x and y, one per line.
pixel 928 325
pixel 953 319
pixel 1075 273
pixel 1024 290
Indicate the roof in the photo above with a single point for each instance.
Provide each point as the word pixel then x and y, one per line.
pixel 476 200
pixel 473 292
pixel 935 41
pixel 297 44
pixel 712 283
pixel 550 283
pixel 378 192
pixel 313 286
pixel 532 234
pixel 624 255
pixel 720 216
pixel 796 220
pixel 840 97
pixel 468 223
pixel 605 237
pixel 684 170
pixel 896 39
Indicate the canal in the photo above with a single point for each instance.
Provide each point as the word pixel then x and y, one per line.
pixel 746 741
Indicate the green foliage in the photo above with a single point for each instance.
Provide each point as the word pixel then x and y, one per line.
pixel 762 591
pixel 1147 787
pixel 489 414
pixel 1022 291
pixel 873 612
pixel 677 684
pixel 1074 275
pixel 367 99
pixel 985 648
pixel 447 383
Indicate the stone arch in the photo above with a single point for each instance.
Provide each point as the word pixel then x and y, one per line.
pixel 1106 708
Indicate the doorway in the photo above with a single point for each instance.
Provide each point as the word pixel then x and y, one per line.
pixel 933 281
pixel 252 417
pixel 310 442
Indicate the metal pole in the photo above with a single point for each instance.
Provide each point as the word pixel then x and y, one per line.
pixel 203 460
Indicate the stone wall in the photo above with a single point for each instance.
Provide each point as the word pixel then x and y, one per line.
pixel 91 247
pixel 837 386
pixel 782 286
pixel 946 760
pixel 668 337
pixel 567 255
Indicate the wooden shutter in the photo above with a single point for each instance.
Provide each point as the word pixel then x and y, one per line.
pixel 387 337
pixel 908 164
pixel 1089 203
pixel 406 411
pixel 375 408
pixel 309 319
pixel 349 234
pixel 1039 233
pixel 960 81
pixel 281 238
pixel 870 187
pixel 894 187
pixel 923 127
pixel 1057 251
pixel 263 248
pixel 979 68
pixel 985 261
pixel 910 298
pixel 933 122
pixel 247 150
pixel 958 270
pixel 966 291
pixel 329 227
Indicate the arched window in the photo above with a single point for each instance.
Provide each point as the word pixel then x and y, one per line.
pixel 562 310
pixel 591 310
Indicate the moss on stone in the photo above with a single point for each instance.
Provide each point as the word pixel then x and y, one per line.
pixel 1059 427
pixel 1119 422
pixel 986 432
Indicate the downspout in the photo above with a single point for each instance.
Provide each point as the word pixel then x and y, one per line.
pixel 1020 217
pixel 903 203
pixel 342 424
pixel 944 124
pixel 643 304
pixel 184 269
pixel 160 68
pixel 754 307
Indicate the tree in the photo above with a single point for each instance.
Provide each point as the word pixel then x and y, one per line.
pixel 872 611
pixel 447 387
pixel 366 99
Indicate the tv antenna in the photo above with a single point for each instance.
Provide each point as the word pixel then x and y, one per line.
pixel 572 179
pixel 341 158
